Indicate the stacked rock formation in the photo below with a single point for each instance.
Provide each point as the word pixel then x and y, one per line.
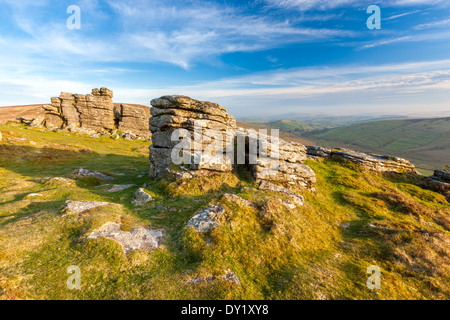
pixel 94 113
pixel 133 119
pixel 206 130
pixel 374 162
pixel 276 160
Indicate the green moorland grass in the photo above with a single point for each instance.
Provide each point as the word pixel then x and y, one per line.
pixel 277 253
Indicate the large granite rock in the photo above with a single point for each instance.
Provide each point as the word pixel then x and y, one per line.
pixel 133 119
pixel 374 162
pixel 96 113
pixel 205 128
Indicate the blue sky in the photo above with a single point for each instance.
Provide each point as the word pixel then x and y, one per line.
pixel 256 58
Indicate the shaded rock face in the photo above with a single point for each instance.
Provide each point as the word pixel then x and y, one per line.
pixel 276 160
pixel 138 238
pixel 439 182
pixel 206 123
pixel 443 175
pixel 374 162
pixel 95 112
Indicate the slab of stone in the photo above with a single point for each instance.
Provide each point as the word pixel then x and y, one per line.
pixel 80 207
pixel 95 174
pixel 138 238
pixel 120 187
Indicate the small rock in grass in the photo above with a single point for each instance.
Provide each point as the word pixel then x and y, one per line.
pixel 80 207
pixel 120 187
pixel 87 173
pixel 205 221
pixel 141 197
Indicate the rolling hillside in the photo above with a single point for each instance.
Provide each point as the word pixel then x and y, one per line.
pixel 426 142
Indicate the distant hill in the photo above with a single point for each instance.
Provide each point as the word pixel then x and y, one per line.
pixel 426 142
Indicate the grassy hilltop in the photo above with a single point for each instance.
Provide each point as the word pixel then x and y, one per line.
pixel 355 219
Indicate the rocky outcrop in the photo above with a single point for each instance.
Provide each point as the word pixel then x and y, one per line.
pixel 133 119
pixel 273 159
pixel 138 238
pixel 443 175
pixel 374 162
pixel 94 113
pixel 439 182
pixel 205 128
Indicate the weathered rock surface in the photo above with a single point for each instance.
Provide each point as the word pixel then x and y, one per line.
pixel 80 207
pixel 374 162
pixel 95 174
pixel 138 238
pixel 206 220
pixel 141 197
pixel 266 185
pixel 439 182
pixel 120 187
pixel 170 113
pixel 276 160
pixel 133 120
pixel 94 113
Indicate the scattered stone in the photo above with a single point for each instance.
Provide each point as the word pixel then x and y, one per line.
pixel 141 197
pixel 120 187
pixel 160 207
pixel 287 204
pixel 138 238
pixel 238 200
pixel 87 173
pixel 205 221
pixel 80 207
pixel 266 185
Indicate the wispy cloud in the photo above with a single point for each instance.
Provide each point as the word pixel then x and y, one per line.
pixel 436 24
